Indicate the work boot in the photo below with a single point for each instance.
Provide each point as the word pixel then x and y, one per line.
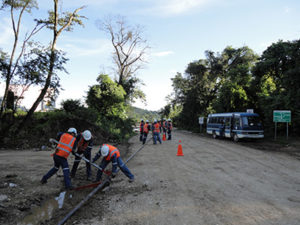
pixel 131 180
pixel 43 181
pixel 70 188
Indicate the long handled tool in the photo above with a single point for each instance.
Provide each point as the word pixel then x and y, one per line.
pixel 82 157
pixel 100 186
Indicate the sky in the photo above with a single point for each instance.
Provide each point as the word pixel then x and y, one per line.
pixel 178 32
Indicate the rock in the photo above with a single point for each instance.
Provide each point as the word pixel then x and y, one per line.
pixel 3 198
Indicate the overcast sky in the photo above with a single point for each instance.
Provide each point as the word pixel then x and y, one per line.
pixel 178 31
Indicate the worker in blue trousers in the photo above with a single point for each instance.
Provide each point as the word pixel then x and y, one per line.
pixel 84 147
pixel 156 132
pixel 66 145
pixel 111 154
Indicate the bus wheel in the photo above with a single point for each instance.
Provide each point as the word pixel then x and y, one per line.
pixel 235 138
pixel 214 135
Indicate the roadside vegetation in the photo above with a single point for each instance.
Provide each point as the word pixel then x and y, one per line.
pixel 237 79
pixel 234 80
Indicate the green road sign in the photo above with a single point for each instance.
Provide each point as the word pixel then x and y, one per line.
pixel 282 116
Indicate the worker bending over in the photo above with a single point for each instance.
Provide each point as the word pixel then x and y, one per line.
pixel 65 146
pixel 111 154
pixel 84 147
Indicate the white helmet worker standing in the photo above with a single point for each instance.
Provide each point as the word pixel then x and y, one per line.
pixel 84 148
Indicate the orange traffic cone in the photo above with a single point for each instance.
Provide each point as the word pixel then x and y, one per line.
pixel 164 137
pixel 179 151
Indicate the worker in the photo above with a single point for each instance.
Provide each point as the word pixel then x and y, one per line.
pixel 160 126
pixel 164 125
pixel 141 129
pixel 156 133
pixel 146 130
pixel 84 147
pixel 66 145
pixel 169 129
pixel 111 154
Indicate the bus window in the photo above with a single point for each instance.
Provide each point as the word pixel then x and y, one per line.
pixel 236 122
pixel 227 121
pixel 245 121
pixel 254 121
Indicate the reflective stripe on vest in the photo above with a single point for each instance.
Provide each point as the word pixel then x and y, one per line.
pixel 156 128
pixel 63 148
pixel 112 151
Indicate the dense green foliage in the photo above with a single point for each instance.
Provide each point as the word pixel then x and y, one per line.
pixel 237 80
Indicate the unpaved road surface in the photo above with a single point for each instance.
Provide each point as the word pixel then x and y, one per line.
pixel 215 182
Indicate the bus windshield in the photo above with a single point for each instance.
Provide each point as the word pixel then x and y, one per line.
pixel 251 121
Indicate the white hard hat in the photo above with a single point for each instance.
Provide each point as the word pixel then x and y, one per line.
pixel 155 121
pixel 72 130
pixel 104 150
pixel 169 120
pixel 142 120
pixel 87 135
pixel 147 121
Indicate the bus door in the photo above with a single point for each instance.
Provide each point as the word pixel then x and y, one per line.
pixel 228 127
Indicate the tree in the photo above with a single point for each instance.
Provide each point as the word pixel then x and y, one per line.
pixel 57 23
pixel 9 65
pixel 129 53
pixel 107 97
pixel 277 80
pixel 234 92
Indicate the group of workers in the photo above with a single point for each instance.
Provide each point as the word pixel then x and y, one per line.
pixel 81 145
pixel 157 127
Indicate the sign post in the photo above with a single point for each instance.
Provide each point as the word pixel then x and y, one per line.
pixel 282 116
pixel 201 122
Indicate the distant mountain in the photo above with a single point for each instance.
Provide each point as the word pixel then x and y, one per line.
pixel 137 114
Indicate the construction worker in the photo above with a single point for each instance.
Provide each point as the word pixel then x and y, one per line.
pixel 164 125
pixel 169 129
pixel 111 154
pixel 66 145
pixel 156 132
pixel 84 147
pixel 141 129
pixel 160 126
pixel 146 130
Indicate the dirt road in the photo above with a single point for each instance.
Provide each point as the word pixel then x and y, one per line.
pixel 215 182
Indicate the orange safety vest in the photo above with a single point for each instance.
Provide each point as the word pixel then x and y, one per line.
pixel 156 128
pixel 65 145
pixel 82 144
pixel 146 130
pixel 112 151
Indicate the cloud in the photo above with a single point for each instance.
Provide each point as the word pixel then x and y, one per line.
pixel 175 7
pixel 161 54
pixel 85 47
pixel 5 31
pixel 287 10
